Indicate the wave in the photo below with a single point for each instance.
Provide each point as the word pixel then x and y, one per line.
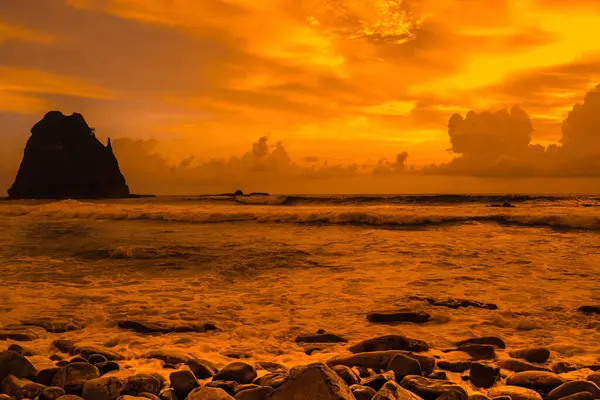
pixel 369 218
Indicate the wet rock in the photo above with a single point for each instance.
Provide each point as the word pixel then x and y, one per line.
pixel 429 389
pixel 363 372
pixel 390 317
pixel 347 374
pixel 209 393
pixel 167 394
pixel 441 375
pixel 258 393
pixel 238 371
pixel 484 375
pixel 87 351
pixel 594 377
pixel 573 387
pixel 64 345
pixel 540 381
pixel 23 351
pixel 321 337
pixel 532 354
pixel 170 357
pixel 153 327
pixel 455 366
pixel 202 369
pixel 62 363
pixel 272 367
pixel 5 397
pixel 362 392
pixel 590 309
pixel 456 303
pixel 403 365
pixel 247 386
pixel 392 391
pixel 561 367
pixel 128 397
pixel 108 388
pixel 69 397
pixel 169 366
pixel 453 395
pixel 29 391
pixel 228 386
pixel 514 392
pixel 379 360
pixel 53 325
pixel 19 333
pixel 579 396
pixel 520 366
pixel 46 376
pixel 502 398
pixel 183 381
pixel 478 396
pixel 77 359
pixel 55 357
pixel 72 377
pixel 12 363
pixel 51 393
pixel 96 359
pixel 479 351
pixel 390 342
pixel 313 381
pixel 377 381
pixel 63 159
pixel 149 396
pixel 108 366
pixel 273 380
pixel 10 384
pixel 139 383
pixel 489 340
pixel 311 350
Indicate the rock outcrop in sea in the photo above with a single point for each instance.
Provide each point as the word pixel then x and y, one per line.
pixel 64 159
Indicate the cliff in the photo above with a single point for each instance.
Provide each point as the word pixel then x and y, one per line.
pixel 64 159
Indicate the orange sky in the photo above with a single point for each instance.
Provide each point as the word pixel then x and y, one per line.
pixel 347 80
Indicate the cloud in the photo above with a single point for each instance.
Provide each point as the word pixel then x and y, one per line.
pixel 385 167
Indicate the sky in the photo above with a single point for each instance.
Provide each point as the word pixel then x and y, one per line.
pixel 254 91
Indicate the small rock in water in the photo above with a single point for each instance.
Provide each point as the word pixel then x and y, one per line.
pixel 520 366
pixel 579 396
pixel 347 374
pixel 313 381
pixel 456 303
pixel 183 381
pixel 477 351
pixel 209 393
pixel 484 375
pixel 561 367
pixel 170 357
pixel 377 381
pixel 573 387
pixel 392 391
pixel 453 395
pixel 96 359
pixel 390 342
pixel 590 309
pixel 455 366
pixel 108 366
pixel 203 369
pixel 238 371
pixel 77 360
pixel 489 340
pixel 259 393
pixel 228 386
pixel 362 392
pixel 51 393
pixel 390 317
pixel 514 392
pixel 72 377
pixel 102 388
pixel 403 365
pixel 321 338
pixel 429 389
pixel 139 383
pixel 12 363
pixel 153 327
pixel 539 381
pixel 532 354
pixel 441 375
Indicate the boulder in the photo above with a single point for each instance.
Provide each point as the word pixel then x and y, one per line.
pixel 238 372
pixel 209 393
pixel 484 375
pixel 390 342
pixel 391 317
pixel 183 381
pixel 313 381
pixel 514 392
pixel 12 363
pixel 429 389
pixel 64 159
pixel 72 377
pixel 272 380
pixel 532 354
pixel 202 369
pixel 403 365
pixel 377 381
pixel 46 376
pixel 540 381
pixel 139 383
pixel 362 392
pixel 347 374
pixel 455 366
pixel 392 391
pixel 572 387
pixel 108 388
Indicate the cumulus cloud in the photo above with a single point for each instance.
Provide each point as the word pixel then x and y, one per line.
pixel 385 167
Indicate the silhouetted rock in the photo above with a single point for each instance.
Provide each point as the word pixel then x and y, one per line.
pixel 238 371
pixel 152 327
pixel 520 366
pixel 490 340
pixel 456 303
pixel 532 354
pixel 389 342
pixel 505 205
pixel 484 375
pixel 321 337
pixel 390 317
pixel 238 193
pixel 15 364
pixel 540 381
pixel 429 389
pixel 590 309
pixel 64 159
pixel 573 387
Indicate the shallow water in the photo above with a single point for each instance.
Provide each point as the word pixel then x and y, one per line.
pixel 264 274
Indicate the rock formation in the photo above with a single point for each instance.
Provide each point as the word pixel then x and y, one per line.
pixel 64 159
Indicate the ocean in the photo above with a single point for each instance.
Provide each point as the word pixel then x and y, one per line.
pixel 265 269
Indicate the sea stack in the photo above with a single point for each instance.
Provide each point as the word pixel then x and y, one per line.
pixel 64 159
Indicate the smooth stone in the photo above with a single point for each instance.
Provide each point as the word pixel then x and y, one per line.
pixel 363 392
pixel 321 338
pixel 532 354
pixel 153 327
pixel 377 381
pixel 379 360
pixel 520 366
pixel 579 396
pixel 572 387
pixel 456 303
pixel 228 386
pixel 53 325
pixel 479 351
pixel 209 393
pixel 273 380
pixel 70 397
pixel 390 342
pixel 347 374
pixel 363 372
pixel 167 394
pixel 478 396
pixel 536 380
pixel 429 389
pixel 313 381
pixel 29 391
pixel 514 392
pixel 10 384
pixel 489 340
pixel 149 396
pixel 202 369
pixel 455 366
pixel 259 393
pixel 238 371
pixel 403 365
pixel 594 377
pixel 12 363
pixel 441 375
pixel 78 359
pixel 453 395
pixel 170 357
pixel 24 351
pixel 96 359
pixel 272 367
pixel 72 377
pixel 107 388
pixel 108 366
pixel 392 391
pixel 183 381
pixel 46 376
pixel 484 375
pixel 390 317
pixel 139 383
pixel 52 393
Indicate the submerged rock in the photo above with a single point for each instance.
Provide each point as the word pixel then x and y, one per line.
pixel 390 342
pixel 64 159
pixel 456 303
pixel 489 340
pixel 321 337
pixel 390 317
pixel 153 327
